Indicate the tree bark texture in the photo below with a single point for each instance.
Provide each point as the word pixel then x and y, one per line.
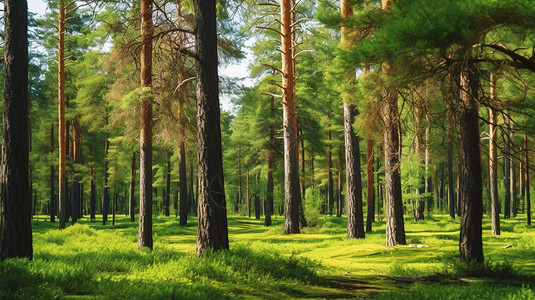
pixel 213 228
pixel 62 129
pixel 15 197
pixel 145 138
pixel 355 217
pixel 395 227
pixel 493 161
pixel 292 192
pixel 470 242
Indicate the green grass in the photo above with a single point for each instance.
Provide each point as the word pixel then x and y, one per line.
pixel 89 260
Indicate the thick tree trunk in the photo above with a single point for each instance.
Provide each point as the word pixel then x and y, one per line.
pixel 528 197
pixel 493 160
pixel 132 198
pixel 62 132
pixel 145 138
pixel 15 199
pixel 470 242
pixel 395 231
pixel 52 209
pixel 355 218
pixel 213 228
pixel 183 183
pixel 371 191
pixel 395 227
pixel 292 193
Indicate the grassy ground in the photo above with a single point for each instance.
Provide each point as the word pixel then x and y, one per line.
pixel 89 260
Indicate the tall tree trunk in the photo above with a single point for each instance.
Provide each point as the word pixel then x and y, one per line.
pixel 395 231
pixel 183 183
pixel 15 199
pixel 371 191
pixel 145 138
pixel 470 242
pixel 395 227
pixel 132 198
pixel 292 193
pixel 52 208
pixel 271 158
pixel 355 218
pixel 528 197
pixel 493 160
pixel 62 132
pixel 213 228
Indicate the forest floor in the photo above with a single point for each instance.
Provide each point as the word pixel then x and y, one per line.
pixel 90 260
